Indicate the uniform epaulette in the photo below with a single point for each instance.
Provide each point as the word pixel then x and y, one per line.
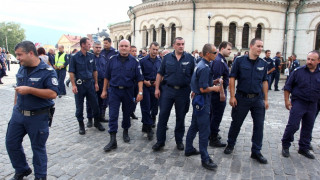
pixel 90 52
pixel 265 60
pixel 222 60
pixel 300 67
pixel 50 68
pixel 112 56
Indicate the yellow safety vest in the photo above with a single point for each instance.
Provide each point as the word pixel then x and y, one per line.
pixel 59 61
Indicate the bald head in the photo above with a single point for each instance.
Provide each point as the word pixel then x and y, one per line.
pixel 61 48
pixel 124 47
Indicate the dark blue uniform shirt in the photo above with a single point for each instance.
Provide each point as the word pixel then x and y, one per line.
pixel 101 63
pixel 150 67
pixel 219 67
pixel 294 65
pixel 304 85
pixel 83 65
pixel 123 73
pixel 177 73
pixel 42 77
pixel 202 77
pixel 270 62
pixel 250 76
pixel 109 53
pixel 277 62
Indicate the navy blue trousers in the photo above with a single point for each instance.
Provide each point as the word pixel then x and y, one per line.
pixel 200 123
pixel 125 97
pixel 149 105
pixel 275 76
pixel 180 99
pixel 86 90
pixel 304 112
pixel 217 110
pixel 101 102
pixel 61 76
pixel 37 128
pixel 239 113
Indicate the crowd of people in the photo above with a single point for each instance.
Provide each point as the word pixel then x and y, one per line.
pixel 108 78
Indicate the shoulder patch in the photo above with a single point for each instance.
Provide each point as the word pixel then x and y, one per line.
pixel 50 68
pixel 54 81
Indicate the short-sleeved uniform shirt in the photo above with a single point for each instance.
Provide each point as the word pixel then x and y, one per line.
pixel 304 85
pixel 42 77
pixel 82 65
pixel 277 62
pixel 202 77
pixel 109 53
pixel 219 67
pixel 177 73
pixel 294 65
pixel 150 67
pixel 101 63
pixel 270 62
pixel 249 73
pixel 123 71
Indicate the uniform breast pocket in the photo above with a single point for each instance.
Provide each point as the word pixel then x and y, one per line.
pixel 170 67
pixel 186 69
pixel 245 71
pixel 259 72
pixel 81 66
pixel 129 71
pixel 19 80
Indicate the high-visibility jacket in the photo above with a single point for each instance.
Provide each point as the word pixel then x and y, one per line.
pixel 59 61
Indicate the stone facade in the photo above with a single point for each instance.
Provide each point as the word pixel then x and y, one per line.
pixel 232 20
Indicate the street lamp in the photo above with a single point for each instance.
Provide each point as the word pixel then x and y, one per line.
pixel 209 17
pixel 7 38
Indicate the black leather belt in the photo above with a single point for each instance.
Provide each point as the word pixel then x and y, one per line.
pixel 120 87
pixel 246 95
pixel 176 87
pixel 34 112
pixel 80 81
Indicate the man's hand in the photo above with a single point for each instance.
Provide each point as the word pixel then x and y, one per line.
pixel 266 104
pixel 74 89
pixel 96 86
pixel 233 101
pixel 104 94
pixel 192 95
pixel 147 83
pixel 288 104
pixel 157 93
pixel 216 81
pixel 139 98
pixel 23 90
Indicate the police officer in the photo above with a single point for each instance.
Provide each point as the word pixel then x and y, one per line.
pixel 37 85
pixel 271 67
pixel 219 68
pixel 304 87
pixel 294 64
pixel 176 70
pixel 61 62
pixel 275 76
pixel 101 62
pixel 252 87
pixel 202 85
pixel 133 52
pixel 149 105
pixel 122 71
pixel 84 80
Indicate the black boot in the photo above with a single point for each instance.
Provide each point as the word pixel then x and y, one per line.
pixel 133 116
pixel 215 141
pixel 89 124
pixel 82 131
pixel 112 144
pixel 19 176
pixel 43 178
pixel 126 137
pixel 149 132
pixel 154 119
pixel 144 128
pixel 98 125
pixel 103 117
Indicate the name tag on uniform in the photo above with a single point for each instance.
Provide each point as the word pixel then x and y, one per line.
pixel 35 79
pixel 260 68
pixel 185 63
pixel 91 60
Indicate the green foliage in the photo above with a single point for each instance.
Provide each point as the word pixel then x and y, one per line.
pixel 14 34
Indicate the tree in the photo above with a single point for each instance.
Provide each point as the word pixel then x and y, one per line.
pixel 14 34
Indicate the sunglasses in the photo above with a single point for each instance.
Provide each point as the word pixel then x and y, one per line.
pixel 214 52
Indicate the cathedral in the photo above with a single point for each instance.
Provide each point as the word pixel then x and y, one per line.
pixel 288 26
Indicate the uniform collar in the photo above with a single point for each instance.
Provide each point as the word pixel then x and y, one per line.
pixel 41 65
pixel 174 54
pixel 222 57
pixel 205 61
pixel 80 53
pixel 149 57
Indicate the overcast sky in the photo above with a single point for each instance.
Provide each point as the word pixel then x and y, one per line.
pixel 45 21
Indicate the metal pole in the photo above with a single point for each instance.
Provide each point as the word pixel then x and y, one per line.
pixel 6 43
pixel 209 31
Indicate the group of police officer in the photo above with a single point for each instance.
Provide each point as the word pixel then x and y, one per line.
pixel 113 75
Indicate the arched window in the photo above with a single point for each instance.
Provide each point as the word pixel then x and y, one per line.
pixel 218 34
pixel 173 33
pixel 245 36
pixel 232 33
pixel 129 38
pixel 121 37
pixel 154 32
pixel 318 39
pixel 147 37
pixel 163 36
pixel 259 31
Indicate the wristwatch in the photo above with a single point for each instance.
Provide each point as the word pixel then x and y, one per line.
pixel 140 93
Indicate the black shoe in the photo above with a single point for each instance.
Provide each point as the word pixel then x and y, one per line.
pixel 19 176
pixel 209 164
pixel 276 90
pixel 228 149
pixel 259 158
pixel 285 152
pixel 192 153
pixel 133 116
pixel 103 117
pixel 150 135
pixel 215 141
pixel 306 153
pixel 89 123
pixel 82 131
pixel 144 128
pixel 157 146
pixel 126 137
pixel 154 122
pixel 60 96
pixel 98 125
pixel 180 146
pixel 112 144
pixel 43 178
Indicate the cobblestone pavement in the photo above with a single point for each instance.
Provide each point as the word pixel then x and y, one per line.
pixel 72 156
